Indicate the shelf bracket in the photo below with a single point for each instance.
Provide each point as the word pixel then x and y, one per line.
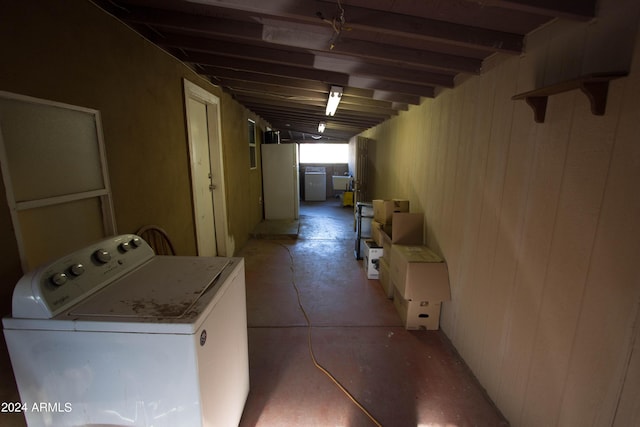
pixel 539 106
pixel 597 94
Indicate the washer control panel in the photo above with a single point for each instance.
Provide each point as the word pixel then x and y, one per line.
pixel 51 288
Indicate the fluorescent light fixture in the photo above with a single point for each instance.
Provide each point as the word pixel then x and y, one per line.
pixel 321 126
pixel 334 99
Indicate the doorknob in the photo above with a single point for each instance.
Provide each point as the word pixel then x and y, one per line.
pixel 212 186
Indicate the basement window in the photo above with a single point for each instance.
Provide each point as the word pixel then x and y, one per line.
pixel 324 153
pixel 252 144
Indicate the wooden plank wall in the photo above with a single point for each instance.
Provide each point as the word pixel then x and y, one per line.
pixel 539 224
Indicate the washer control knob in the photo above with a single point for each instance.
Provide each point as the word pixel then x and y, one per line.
pixel 77 269
pixel 102 256
pixel 136 242
pixel 125 247
pixel 59 279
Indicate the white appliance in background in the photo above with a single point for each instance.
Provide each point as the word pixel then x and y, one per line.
pixel 315 184
pixel 280 185
pixel 115 335
pixel 341 183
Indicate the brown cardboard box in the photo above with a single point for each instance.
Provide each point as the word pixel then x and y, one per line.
pixel 383 209
pixel 407 228
pixel 377 229
pixel 417 314
pixel 419 273
pixel 386 245
pixel 385 280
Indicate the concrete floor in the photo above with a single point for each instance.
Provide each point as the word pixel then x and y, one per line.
pixel 403 378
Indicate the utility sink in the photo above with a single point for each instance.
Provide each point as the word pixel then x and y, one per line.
pixel 341 183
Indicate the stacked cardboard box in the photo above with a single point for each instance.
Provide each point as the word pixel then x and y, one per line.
pixel 418 314
pixel 420 283
pixel 383 277
pixel 377 230
pixel 406 229
pixel 410 273
pixel 383 264
pixel 383 211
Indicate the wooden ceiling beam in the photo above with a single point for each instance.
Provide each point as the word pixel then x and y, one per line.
pixel 347 108
pixel 581 10
pixel 275 103
pixel 222 72
pixel 177 20
pixel 312 127
pixel 331 124
pixel 271 110
pixel 402 98
pixel 355 67
pixel 294 94
pixel 300 94
pixel 280 108
pixel 340 79
pixel 328 77
pixel 249 76
pixel 236 50
pixel 392 86
pixel 406 56
pixel 282 123
pixel 253 31
pixel 307 60
pixel 383 22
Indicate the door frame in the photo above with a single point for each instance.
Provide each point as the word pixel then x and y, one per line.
pixel 214 131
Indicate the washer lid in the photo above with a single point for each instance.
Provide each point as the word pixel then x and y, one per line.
pixel 166 287
pixel 312 170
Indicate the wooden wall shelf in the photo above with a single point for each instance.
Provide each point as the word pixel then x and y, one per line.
pixel 595 86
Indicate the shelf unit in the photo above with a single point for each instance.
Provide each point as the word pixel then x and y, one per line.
pixel 363 211
pixel 594 86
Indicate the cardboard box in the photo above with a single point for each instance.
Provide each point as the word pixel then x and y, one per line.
pixel 417 314
pixel 407 228
pixel 385 280
pixel 386 245
pixel 383 209
pixel 376 232
pixel 372 254
pixel 419 273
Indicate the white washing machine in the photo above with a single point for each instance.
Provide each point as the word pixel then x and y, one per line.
pixel 315 183
pixel 115 335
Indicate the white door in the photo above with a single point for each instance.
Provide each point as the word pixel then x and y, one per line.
pixel 201 178
pixel 207 180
